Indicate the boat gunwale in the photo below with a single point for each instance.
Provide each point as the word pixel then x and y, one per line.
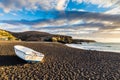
pixel 41 54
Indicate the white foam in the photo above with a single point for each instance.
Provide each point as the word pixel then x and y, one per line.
pixel 109 47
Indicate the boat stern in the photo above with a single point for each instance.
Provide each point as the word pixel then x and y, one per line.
pixel 34 58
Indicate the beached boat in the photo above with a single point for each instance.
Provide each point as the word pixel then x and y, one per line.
pixel 28 54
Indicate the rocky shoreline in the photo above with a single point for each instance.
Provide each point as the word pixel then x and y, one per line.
pixel 60 63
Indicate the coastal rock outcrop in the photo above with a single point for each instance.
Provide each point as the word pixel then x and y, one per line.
pixel 61 38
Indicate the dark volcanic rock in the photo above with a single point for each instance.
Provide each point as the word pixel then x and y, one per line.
pixel 61 39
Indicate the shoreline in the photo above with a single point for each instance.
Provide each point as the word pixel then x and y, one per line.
pixel 93 47
pixel 60 62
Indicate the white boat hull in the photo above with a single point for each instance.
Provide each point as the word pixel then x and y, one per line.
pixel 28 54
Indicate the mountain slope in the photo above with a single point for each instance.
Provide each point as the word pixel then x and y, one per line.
pixel 6 36
pixel 42 36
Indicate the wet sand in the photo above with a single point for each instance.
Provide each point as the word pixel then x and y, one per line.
pixel 60 63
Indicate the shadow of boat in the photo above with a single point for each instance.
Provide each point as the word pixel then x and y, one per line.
pixel 10 60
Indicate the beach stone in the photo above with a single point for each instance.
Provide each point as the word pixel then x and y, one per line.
pixel 60 63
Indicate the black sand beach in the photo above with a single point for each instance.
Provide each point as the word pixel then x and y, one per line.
pixel 60 63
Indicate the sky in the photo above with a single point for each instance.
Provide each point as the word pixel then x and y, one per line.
pixel 82 19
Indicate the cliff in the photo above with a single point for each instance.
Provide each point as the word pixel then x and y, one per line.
pixel 62 38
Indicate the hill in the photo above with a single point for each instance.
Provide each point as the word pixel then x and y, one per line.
pixel 39 36
pixel 42 36
pixel 6 36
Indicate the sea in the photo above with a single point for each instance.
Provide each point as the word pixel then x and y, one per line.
pixel 98 46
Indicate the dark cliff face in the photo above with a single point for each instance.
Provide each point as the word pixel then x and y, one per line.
pixel 61 39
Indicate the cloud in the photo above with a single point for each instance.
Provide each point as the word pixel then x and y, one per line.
pixel 14 28
pixel 10 5
pixel 60 5
pixel 113 11
pixel 100 3
pixel 75 24
pixel 72 20
pixel 112 6
pixel 15 5
pixel 1 14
